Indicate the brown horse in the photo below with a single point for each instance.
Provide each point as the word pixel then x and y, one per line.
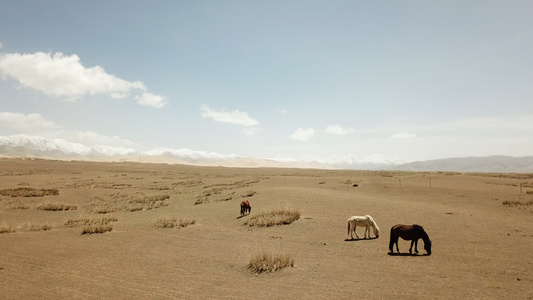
pixel 409 232
pixel 245 208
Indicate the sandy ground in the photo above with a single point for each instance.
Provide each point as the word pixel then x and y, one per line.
pixel 482 249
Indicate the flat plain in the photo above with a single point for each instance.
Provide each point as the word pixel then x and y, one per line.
pixel 87 230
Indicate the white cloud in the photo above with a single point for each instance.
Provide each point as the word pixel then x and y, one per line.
pixel 149 99
pixel 284 112
pixel 32 123
pixel 35 124
pixel 64 76
pixel 338 130
pixel 89 138
pixel 234 117
pixel 303 134
pixel 403 135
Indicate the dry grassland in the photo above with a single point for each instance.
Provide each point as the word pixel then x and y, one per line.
pixel 82 230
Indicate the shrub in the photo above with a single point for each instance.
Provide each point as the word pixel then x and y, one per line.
pixel 270 261
pixel 274 217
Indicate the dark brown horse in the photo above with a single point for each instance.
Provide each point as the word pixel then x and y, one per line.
pixel 245 207
pixel 409 233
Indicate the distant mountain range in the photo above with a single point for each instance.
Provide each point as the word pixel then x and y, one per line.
pixel 489 164
pixel 39 147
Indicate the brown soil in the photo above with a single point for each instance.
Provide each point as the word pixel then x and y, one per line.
pixel 481 248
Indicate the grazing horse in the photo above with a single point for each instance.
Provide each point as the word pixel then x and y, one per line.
pixel 409 232
pixel 364 221
pixel 245 208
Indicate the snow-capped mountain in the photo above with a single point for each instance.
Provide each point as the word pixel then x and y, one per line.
pixel 36 146
pixel 189 155
pixel 39 147
pixel 374 162
pixel 25 145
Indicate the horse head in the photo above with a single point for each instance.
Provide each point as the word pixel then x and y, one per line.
pixel 427 246
pixel 376 231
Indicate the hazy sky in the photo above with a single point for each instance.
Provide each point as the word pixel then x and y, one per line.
pixel 272 79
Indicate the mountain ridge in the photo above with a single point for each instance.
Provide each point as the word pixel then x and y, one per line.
pixel 45 148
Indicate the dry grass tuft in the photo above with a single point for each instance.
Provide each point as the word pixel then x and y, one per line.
pixel 92 229
pixel 274 217
pixel 6 228
pixel 28 226
pixel 517 203
pixel 56 206
pixel 104 209
pixel 249 194
pixel 171 222
pixel 270 261
pixel 29 192
pixel 17 205
pixel 148 202
pixel 82 220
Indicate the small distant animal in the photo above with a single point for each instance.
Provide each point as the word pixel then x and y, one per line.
pixel 363 221
pixel 245 208
pixel 409 233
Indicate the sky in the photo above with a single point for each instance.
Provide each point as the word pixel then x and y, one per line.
pixel 291 80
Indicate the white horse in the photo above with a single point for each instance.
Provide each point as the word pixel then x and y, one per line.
pixel 363 221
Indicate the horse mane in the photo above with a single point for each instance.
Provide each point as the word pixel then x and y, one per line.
pixel 423 233
pixel 373 222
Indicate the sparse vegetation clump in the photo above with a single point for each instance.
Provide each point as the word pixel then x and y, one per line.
pixel 172 222
pixel 17 205
pixel 249 194
pixel 104 209
pixel 274 217
pixel 29 192
pixel 29 226
pixel 92 229
pixel 517 203
pixel 270 261
pixel 82 220
pixel 56 207
pixel 6 228
pixel 148 202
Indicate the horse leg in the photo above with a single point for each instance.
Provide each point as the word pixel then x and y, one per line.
pixel 355 230
pixel 416 246
pixel 411 248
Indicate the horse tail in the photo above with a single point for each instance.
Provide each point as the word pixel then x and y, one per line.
pixel 392 239
pixel 348 226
